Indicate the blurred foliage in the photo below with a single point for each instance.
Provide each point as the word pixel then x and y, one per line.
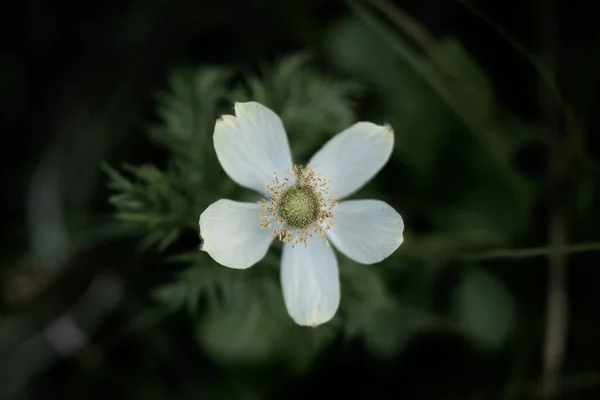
pixel 457 312
pixel 243 319
pixel 167 203
pixel 484 306
pixel 454 175
pixel 430 102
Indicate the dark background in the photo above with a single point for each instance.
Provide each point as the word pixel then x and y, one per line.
pixel 78 87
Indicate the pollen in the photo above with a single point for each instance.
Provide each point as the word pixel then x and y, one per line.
pixel 298 204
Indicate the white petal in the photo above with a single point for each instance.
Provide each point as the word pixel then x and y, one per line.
pixel 232 234
pixel 366 231
pixel 352 157
pixel 310 282
pixel 252 146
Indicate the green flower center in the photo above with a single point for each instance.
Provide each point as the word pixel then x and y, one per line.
pixel 299 206
pixel 299 211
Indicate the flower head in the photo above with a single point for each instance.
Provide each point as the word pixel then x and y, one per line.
pixel 301 207
pixel 297 203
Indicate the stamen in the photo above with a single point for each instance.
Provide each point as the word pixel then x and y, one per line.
pixel 297 203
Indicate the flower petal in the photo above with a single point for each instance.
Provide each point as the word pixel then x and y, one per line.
pixel 252 145
pixel 310 282
pixel 232 233
pixel 352 157
pixel 367 231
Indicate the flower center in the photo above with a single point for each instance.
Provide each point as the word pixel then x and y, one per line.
pixel 299 206
pixel 297 203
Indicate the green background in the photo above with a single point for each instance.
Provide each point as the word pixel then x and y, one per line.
pixel 109 109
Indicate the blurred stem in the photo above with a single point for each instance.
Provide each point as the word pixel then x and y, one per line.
pixel 557 301
pixel 545 73
pixel 416 250
pixel 548 78
pixel 556 308
pixel 545 251
pixel 433 69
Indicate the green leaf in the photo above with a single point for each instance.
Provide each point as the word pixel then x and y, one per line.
pixel 485 308
pixel 154 201
pixel 469 84
pixel 371 313
pixel 313 107
pixel 383 325
pixel 255 330
pixel 347 44
pixel 191 285
pixel 166 202
pixel 241 333
pixel 189 109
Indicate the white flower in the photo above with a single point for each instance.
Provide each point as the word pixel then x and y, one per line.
pixel 301 207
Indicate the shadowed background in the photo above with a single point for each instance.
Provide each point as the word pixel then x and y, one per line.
pixel 107 111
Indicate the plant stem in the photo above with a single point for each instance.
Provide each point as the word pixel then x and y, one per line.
pixel 557 301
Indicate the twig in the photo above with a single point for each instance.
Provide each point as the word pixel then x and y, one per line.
pixel 548 78
pixel 428 63
pixel 557 301
pixel 539 64
pixel 557 308
pixel 531 252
